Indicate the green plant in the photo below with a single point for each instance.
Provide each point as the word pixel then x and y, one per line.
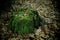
pixel 24 21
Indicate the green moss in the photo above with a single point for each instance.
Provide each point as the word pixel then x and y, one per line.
pixel 23 24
